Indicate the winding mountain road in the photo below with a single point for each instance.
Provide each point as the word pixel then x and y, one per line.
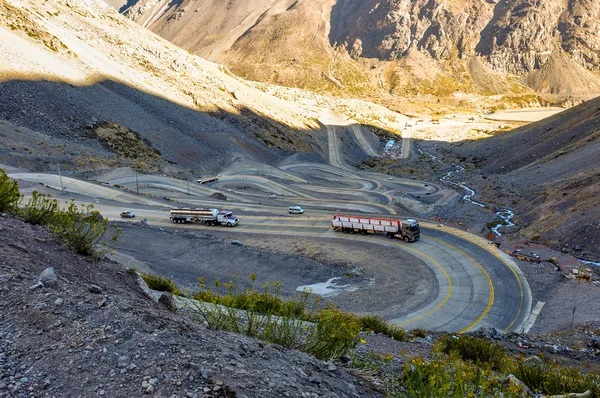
pixel 478 285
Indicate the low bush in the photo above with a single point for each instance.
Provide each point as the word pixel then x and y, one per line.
pixel 326 333
pixel 452 377
pixel 41 209
pixel 334 333
pixel 379 325
pixel 418 332
pixel 266 302
pixel 550 379
pixel 161 284
pixel 481 352
pixel 9 193
pixel 82 229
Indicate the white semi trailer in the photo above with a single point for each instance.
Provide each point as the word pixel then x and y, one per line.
pixel 407 230
pixel 204 216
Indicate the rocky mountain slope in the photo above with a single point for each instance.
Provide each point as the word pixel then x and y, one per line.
pixel 80 74
pixel 549 172
pixel 64 339
pixel 422 49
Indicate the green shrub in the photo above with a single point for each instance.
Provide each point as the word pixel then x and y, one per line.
pixel 397 334
pixel 419 332
pixel 334 334
pixel 452 377
pixel 481 352
pixel 379 325
pixel 41 209
pixel 547 378
pixel 265 302
pixel 161 284
pixel 326 333
pixel 9 193
pixel 82 229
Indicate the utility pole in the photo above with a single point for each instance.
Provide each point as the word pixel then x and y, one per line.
pixel 137 184
pixel 62 187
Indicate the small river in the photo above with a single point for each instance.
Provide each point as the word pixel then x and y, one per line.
pixel 505 214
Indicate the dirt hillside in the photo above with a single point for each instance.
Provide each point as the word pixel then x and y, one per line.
pixel 67 341
pixel 71 68
pixel 549 172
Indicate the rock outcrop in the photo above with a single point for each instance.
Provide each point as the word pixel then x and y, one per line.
pixel 511 37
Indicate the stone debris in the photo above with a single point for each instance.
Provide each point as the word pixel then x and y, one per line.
pixel 95 289
pixel 48 277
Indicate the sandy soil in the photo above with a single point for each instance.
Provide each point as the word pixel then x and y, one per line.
pixel 524 115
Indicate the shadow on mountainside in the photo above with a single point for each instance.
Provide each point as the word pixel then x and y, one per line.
pixel 195 139
pixel 547 172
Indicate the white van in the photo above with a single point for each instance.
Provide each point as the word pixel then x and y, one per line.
pixel 296 209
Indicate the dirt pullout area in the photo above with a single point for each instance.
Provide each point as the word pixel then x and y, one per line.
pixel 66 341
pixel 369 279
pixel 568 303
pixel 390 283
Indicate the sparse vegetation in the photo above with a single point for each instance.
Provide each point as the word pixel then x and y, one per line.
pixel 125 142
pixel 451 377
pixel 41 209
pixel 9 193
pixel 379 325
pixel 470 367
pixel 547 378
pixel 82 229
pixel 418 332
pixel 482 352
pixel 161 283
pixel 325 333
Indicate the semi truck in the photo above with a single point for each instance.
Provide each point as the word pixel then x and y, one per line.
pixel 204 180
pixel 407 230
pixel 204 216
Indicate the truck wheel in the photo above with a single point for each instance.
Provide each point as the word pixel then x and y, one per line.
pixel 229 224
pixel 406 239
pixel 174 220
pixel 363 232
pixel 390 235
pixel 345 230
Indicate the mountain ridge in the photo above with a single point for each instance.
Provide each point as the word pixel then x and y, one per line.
pixel 515 39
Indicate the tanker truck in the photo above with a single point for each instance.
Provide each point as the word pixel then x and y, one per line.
pixel 204 216
pixel 407 230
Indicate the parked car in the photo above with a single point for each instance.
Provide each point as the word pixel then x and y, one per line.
pixel 272 196
pixel 127 214
pixel 295 210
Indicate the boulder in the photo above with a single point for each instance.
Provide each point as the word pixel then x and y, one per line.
pixel 48 277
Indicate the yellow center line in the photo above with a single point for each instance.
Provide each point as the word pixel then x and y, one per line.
pixel 494 250
pixel 520 289
pixel 403 247
pixel 487 276
pixel 440 305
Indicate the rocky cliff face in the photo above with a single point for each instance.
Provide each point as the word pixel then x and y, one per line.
pixel 514 38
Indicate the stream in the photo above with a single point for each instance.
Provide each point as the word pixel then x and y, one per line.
pixel 505 214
